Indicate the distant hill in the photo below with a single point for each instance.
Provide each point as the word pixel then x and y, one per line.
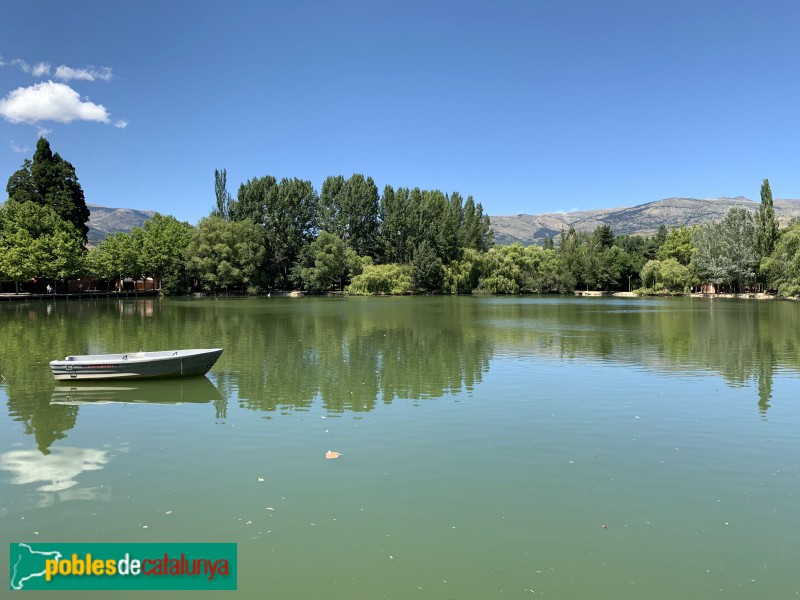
pixel 644 219
pixel 104 220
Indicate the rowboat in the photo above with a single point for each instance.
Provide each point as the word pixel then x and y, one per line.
pixel 136 365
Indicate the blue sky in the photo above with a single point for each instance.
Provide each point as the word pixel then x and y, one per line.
pixel 529 107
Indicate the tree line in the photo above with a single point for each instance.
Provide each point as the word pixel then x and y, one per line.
pixel 351 238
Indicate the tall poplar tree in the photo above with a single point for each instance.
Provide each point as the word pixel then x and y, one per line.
pixel 223 206
pixel 767 224
pixel 49 180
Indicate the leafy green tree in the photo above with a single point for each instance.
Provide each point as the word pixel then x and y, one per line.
pixel 17 262
pixel 394 232
pixel 603 236
pixel 323 264
pixel 119 255
pixel 49 180
pixel 650 274
pixel 766 222
pixel 226 255
pixel 461 276
pixel 476 231
pixel 36 242
pixel 610 265
pixel 726 250
pixel 546 273
pixel 381 279
pixel 350 209
pixel 661 236
pixel 710 260
pixel 675 276
pixel 427 275
pixel 782 267
pixel 739 233
pixel 164 242
pixel 254 199
pixel 291 223
pixel 678 245
pixel 569 254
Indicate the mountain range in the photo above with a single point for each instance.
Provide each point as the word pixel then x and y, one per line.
pixel 104 221
pixel 643 219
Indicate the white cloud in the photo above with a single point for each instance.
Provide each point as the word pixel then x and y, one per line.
pixel 62 72
pixel 66 73
pixel 43 131
pixel 49 101
pixel 37 70
pixel 18 149
pixel 121 124
pixel 40 69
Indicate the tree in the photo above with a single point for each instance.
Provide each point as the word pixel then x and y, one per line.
pixel 119 255
pixel 253 199
pixel 381 279
pixel 476 230
pixel 674 275
pixel 393 236
pixel 350 209
pixel 766 222
pixel 222 208
pixel 650 274
pixel 226 255
pixel 322 264
pixel 427 275
pixel 603 236
pixel 164 241
pixel 36 242
pixel 290 222
pixel 726 250
pixel 49 180
pixel 782 267
pixel 677 245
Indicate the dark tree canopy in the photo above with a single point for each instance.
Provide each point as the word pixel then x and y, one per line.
pixel 49 180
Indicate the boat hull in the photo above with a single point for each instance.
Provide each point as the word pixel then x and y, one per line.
pixel 136 365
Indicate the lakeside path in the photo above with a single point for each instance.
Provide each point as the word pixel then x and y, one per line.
pixel 78 296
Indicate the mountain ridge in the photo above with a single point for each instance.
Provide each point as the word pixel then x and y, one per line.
pixel 641 219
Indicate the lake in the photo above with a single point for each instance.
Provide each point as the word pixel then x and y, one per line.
pixel 490 447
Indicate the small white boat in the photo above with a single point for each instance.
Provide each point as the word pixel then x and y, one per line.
pixel 136 365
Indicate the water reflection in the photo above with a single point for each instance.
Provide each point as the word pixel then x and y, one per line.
pixel 195 390
pixel 351 354
pixel 58 469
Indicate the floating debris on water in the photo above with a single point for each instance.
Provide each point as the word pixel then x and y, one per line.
pixel 331 454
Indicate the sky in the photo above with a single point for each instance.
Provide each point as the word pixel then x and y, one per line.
pixel 528 106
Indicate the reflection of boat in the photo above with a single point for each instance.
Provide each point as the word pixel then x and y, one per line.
pixel 196 390
pixel 136 365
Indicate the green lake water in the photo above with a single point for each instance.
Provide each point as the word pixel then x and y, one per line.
pixel 490 447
